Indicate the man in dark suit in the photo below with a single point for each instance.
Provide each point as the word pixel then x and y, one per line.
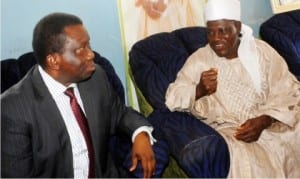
pixel 40 135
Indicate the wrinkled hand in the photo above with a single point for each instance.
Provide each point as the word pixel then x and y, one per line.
pixel 252 128
pixel 154 9
pixel 142 151
pixel 208 83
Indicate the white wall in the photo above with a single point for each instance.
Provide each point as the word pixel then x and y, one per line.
pixel 18 18
pixel 255 12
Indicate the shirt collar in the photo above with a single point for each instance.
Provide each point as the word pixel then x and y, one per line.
pixel 56 88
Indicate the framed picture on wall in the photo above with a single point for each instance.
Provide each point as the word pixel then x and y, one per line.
pixel 279 6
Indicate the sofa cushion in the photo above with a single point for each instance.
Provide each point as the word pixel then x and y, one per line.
pixel 282 32
pixel 155 60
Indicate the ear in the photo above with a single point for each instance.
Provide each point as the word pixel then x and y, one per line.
pixel 238 26
pixel 53 61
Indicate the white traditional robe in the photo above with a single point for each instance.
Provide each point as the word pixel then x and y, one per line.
pixel 277 152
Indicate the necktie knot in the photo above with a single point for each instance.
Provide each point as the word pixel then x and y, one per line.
pixel 70 92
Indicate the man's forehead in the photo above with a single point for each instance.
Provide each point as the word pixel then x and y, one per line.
pixel 77 33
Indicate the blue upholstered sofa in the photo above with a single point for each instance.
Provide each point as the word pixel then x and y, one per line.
pixel 198 150
pixel 282 32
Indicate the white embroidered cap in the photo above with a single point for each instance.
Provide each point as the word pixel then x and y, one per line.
pixel 222 9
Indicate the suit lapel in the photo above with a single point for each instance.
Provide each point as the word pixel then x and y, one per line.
pixel 89 104
pixel 46 103
pixel 91 107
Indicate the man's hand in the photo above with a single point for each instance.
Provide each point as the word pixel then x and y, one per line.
pixel 208 83
pixel 252 128
pixel 154 9
pixel 142 150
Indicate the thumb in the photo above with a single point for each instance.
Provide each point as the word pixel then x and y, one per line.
pixel 134 161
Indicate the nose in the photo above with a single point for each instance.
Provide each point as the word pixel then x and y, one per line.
pixel 216 36
pixel 90 55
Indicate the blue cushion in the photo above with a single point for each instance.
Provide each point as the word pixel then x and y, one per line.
pixel 282 32
pixel 156 60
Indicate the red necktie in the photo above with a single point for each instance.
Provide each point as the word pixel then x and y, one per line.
pixel 82 121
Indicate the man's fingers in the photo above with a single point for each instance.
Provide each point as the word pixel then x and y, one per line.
pixel 134 161
pixel 151 164
pixel 245 135
pixel 147 166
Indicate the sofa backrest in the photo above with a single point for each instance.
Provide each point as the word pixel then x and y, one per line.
pixel 155 60
pixel 13 70
pixel 282 32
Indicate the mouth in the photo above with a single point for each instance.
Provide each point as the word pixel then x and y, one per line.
pixel 219 47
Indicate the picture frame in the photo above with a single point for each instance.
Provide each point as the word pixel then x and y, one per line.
pixel 280 6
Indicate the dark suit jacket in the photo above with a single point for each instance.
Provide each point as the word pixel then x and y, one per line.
pixel 34 138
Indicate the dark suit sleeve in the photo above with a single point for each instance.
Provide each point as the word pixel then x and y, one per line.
pixel 16 149
pixel 121 117
pixel 128 119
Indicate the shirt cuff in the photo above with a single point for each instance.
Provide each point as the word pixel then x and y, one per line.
pixel 146 129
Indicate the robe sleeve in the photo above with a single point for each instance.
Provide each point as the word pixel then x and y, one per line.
pixel 283 100
pixel 180 95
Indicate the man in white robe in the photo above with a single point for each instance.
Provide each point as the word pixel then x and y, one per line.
pixel 243 89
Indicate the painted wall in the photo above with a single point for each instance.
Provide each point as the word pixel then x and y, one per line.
pixel 18 18
pixel 255 12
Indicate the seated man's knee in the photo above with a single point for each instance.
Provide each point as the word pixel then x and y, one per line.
pixel 161 152
pixel 206 156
